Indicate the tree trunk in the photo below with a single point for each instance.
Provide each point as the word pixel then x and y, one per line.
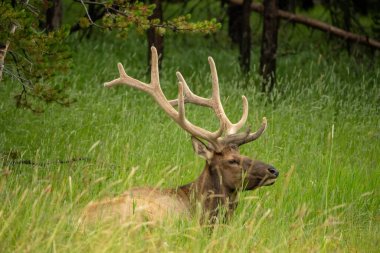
pixel 347 21
pixel 319 25
pixel 239 30
pixel 53 14
pixel 154 38
pixel 269 45
pixel 235 22
pixel 245 42
pixel 307 4
pixel 4 50
pixel 287 5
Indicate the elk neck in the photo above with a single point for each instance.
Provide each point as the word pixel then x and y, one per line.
pixel 209 190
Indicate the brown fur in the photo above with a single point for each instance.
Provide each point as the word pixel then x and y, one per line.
pixel 225 173
pixel 141 203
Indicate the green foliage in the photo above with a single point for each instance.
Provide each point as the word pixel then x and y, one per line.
pixel 124 15
pixel 84 22
pixel 34 57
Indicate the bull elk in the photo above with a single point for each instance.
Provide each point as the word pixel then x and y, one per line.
pixel 225 172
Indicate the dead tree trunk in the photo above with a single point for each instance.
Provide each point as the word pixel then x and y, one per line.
pixel 287 5
pixel 239 30
pixel 4 50
pixel 235 20
pixel 154 38
pixel 53 14
pixel 347 22
pixel 269 45
pixel 245 42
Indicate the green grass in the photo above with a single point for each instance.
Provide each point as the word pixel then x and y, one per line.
pixel 323 136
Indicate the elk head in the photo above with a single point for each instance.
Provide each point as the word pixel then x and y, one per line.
pixel 235 171
pixel 226 171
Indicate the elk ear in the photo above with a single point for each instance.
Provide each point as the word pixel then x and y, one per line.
pixel 201 149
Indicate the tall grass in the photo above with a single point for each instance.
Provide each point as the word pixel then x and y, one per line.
pixel 323 136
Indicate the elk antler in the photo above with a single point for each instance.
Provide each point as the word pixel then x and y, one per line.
pixel 185 95
pixel 214 102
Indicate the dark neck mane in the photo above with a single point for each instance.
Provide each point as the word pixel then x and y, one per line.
pixel 210 191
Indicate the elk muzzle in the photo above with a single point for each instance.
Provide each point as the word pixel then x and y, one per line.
pixel 259 174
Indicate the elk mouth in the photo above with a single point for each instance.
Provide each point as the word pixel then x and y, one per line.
pixel 269 182
pixel 257 182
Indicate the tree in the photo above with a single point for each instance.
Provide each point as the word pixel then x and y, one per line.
pixel 155 38
pixel 53 14
pixel 239 30
pixel 124 15
pixel 4 49
pixel 272 15
pixel 322 26
pixel 31 35
pixel 269 45
pixel 31 56
pixel 245 43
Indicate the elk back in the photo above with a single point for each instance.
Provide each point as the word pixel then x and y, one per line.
pixel 141 204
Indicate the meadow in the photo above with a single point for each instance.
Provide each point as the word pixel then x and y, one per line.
pixel 323 136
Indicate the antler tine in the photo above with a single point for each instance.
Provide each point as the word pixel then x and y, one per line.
pixel 214 102
pixel 154 71
pixel 245 137
pixel 258 133
pixel 193 129
pixel 190 97
pixel 228 126
pixel 234 128
pixel 127 80
pixel 154 89
pixel 186 95
pixel 181 103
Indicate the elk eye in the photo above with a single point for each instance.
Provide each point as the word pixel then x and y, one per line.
pixel 233 162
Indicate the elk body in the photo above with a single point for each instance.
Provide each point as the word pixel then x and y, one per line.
pixel 225 173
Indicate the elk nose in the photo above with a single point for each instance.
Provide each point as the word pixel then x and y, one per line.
pixel 273 171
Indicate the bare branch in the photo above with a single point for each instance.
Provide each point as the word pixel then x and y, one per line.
pixel 88 14
pixel 319 25
pixel 3 51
